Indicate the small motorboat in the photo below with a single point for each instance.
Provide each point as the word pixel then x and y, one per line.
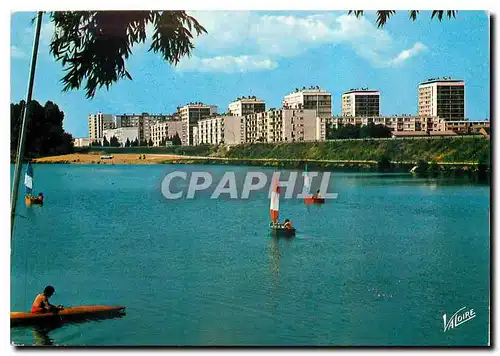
pixel 314 200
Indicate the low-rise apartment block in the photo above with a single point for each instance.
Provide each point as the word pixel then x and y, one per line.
pixel 464 126
pixel 406 123
pixel 280 125
pixel 122 134
pixel 164 130
pixel 141 121
pixel 234 130
pixel 210 131
pixel 82 142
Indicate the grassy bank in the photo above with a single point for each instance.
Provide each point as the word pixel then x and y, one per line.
pixel 472 150
pixel 431 156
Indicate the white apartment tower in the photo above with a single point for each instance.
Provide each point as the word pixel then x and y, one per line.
pixel 361 102
pixel 312 98
pixel 246 105
pixel 442 97
pixel 190 114
pixel 98 123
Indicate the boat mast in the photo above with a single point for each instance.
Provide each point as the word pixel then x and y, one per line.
pixel 24 127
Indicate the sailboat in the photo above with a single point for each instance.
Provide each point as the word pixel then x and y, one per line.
pixel 276 228
pixel 29 199
pixel 313 199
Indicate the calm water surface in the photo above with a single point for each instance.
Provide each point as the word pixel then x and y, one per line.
pixel 378 266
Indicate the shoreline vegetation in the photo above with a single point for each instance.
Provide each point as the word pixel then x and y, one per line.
pixel 448 156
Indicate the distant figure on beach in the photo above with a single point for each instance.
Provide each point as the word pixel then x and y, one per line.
pixel 41 303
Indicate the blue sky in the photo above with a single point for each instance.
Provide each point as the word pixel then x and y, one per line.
pixel 268 54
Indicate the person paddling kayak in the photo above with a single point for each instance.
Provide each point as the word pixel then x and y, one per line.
pixel 41 303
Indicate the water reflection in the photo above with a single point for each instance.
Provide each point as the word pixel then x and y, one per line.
pixel 274 266
pixel 41 335
pixel 41 332
pixel 274 257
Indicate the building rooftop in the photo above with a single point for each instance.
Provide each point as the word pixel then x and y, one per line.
pixel 443 79
pixel 195 104
pixel 252 98
pixel 361 90
pixel 311 89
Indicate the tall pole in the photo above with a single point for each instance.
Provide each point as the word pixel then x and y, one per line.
pixel 24 127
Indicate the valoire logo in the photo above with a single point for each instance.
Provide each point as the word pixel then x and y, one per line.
pixel 461 316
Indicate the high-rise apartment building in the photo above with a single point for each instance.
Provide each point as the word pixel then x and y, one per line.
pixel 442 97
pixel 361 102
pixel 97 123
pixel 313 98
pixel 246 105
pixel 191 114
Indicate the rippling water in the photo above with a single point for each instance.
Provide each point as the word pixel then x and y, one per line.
pixel 377 266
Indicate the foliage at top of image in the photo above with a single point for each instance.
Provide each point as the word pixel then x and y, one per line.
pixel 93 45
pixel 384 15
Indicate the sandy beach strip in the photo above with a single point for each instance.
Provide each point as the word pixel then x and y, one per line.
pixel 120 158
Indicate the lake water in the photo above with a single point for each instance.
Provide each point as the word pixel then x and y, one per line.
pixel 380 265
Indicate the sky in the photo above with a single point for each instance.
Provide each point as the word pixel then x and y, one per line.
pixel 270 53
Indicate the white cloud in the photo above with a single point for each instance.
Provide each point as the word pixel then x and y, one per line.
pixel 46 33
pixel 225 64
pixel 16 52
pixel 407 53
pixel 248 33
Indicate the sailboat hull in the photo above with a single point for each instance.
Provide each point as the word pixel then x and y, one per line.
pixel 277 231
pixel 32 201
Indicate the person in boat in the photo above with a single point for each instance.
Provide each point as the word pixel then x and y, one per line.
pixel 41 303
pixel 40 197
pixel 287 225
pixel 316 195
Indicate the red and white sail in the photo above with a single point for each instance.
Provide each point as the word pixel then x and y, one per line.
pixel 275 200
